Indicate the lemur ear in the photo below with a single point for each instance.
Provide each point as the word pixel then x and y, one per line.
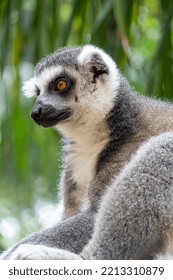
pixel 98 66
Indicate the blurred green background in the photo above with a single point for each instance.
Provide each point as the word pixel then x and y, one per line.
pixel 137 34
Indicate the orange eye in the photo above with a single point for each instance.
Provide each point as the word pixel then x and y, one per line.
pixel 61 85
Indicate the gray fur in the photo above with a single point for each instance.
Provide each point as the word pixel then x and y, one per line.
pixel 123 122
pixel 71 234
pixel 137 227
pixel 61 57
pixel 70 194
pixel 112 171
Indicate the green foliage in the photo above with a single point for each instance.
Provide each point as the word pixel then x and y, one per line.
pixel 138 35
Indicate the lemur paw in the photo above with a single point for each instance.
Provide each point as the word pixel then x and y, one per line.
pixel 41 252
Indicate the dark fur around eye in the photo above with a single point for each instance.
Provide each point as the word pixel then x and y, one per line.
pixel 37 91
pixel 53 84
pixel 50 85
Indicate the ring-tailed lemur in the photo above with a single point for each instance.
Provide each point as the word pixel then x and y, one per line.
pixel 117 183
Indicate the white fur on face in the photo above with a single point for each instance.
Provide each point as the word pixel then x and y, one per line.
pixel 102 99
pixel 29 88
pixel 94 103
pixel 41 81
pixel 106 92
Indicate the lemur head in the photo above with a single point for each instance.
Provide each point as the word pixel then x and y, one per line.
pixel 73 85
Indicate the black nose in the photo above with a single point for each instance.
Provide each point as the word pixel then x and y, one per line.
pixel 47 115
pixel 42 112
pixel 37 113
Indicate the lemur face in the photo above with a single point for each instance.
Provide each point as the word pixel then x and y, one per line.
pixel 71 84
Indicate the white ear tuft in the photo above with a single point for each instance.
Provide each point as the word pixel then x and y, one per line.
pixel 29 88
pixel 114 74
pixel 87 52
